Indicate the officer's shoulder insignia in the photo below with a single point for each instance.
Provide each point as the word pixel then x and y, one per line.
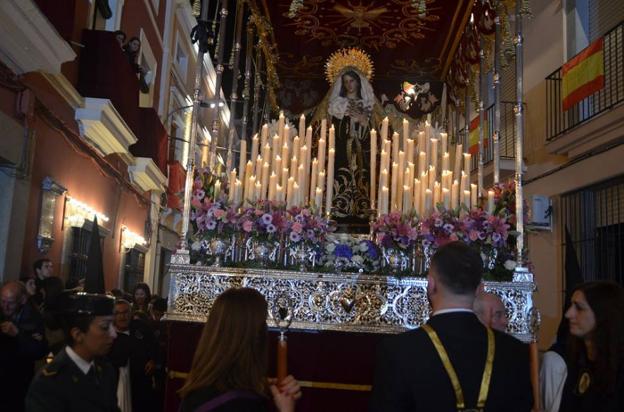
pixel 48 372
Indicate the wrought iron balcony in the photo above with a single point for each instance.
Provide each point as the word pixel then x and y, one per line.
pixel 559 121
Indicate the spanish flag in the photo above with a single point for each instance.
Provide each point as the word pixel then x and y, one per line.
pixel 473 136
pixel 583 75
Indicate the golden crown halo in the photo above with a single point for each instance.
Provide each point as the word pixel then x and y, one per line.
pixel 351 57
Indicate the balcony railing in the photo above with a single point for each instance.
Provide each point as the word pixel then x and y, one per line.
pixel 105 72
pixel 507 138
pixel 559 121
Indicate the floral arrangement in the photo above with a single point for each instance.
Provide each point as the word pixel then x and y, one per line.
pixel 486 230
pixel 396 231
pixel 505 202
pixel 210 217
pixel 264 220
pixel 305 226
pixel 441 227
pixel 344 252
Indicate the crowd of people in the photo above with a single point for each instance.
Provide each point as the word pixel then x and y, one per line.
pixel 109 355
pixel 33 332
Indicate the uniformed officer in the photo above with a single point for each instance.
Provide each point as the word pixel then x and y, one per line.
pixel 78 380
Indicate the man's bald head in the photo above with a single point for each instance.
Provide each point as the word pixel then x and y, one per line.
pixel 12 297
pixel 491 311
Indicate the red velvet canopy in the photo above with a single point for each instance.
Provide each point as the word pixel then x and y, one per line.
pixel 401 42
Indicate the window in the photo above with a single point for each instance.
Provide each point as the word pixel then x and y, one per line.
pixel 79 252
pixel 133 268
pixel 114 23
pixel 181 60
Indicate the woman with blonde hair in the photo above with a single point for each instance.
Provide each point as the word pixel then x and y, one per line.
pixel 230 366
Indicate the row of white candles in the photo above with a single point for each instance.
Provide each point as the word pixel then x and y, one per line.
pixel 298 182
pixel 302 181
pixel 405 188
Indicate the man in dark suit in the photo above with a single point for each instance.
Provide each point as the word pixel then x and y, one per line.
pixel 410 373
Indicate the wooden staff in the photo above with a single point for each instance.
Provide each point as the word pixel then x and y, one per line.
pixel 535 385
pixel 282 358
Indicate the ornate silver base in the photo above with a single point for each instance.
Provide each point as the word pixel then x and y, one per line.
pixel 341 302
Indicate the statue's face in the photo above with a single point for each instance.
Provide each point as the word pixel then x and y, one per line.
pixel 350 84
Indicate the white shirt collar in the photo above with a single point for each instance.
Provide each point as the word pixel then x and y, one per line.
pixel 443 311
pixel 82 364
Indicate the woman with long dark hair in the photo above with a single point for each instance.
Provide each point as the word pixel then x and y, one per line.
pixel 141 297
pixel 229 370
pixel 595 362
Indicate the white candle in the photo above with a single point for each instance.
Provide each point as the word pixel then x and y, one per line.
pixel 455 194
pixel 330 177
pixel 384 201
pixel 373 166
pixel 323 129
pixel 446 198
pixel 437 195
pixel 297 194
pixel 400 170
pixel 432 176
pixel 302 125
pixel 308 161
pixel 258 191
pixel 239 193
pixel 395 147
pixel 417 197
pixel 434 153
pixel 254 147
pixel 321 154
pixel 473 196
pixel 463 185
pixel 272 187
pixel 409 155
pixel 280 124
pixel 266 153
pixel 467 157
pixel 332 137
pixel 296 147
pixel 466 199
pixel 306 169
pixel 275 153
pixel 458 158
pixel 394 188
pixel 407 200
pixel 231 185
pixel 383 182
pixel 265 180
pixel 293 166
pixel 445 161
pixel 290 192
pixel 427 203
pixel 251 185
pixel 384 128
pixel 242 159
pixel 284 179
pixel 313 177
pixel 318 198
pixel 405 133
pixel 444 142
pixel 279 193
pixel 422 163
pixel 248 173
pixel 490 201
pixel 422 145
pixel 320 183
pixel 258 171
pixel 264 135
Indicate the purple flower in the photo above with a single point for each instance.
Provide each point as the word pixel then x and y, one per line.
pixel 271 228
pixel 295 237
pixel 310 234
pixel 267 219
pixel 448 228
pixel 211 224
pixel 438 222
pixel 343 251
pixel 496 237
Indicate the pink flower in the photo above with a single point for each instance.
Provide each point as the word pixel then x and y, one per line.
pixel 473 235
pixel 453 237
pixel 297 227
pixel 219 213
pixel 247 226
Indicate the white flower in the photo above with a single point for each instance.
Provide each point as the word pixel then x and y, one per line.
pixel 363 247
pixel 330 247
pixel 510 264
pixel 196 246
pixel 344 237
pixel 357 259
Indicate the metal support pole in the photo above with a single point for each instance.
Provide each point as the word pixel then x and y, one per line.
pixel 247 85
pixel 257 84
pixel 219 78
pixel 238 28
pixel 497 101
pixel 519 138
pixel 482 82
pixel 190 164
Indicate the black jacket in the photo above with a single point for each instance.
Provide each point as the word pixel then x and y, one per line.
pixel 62 387
pixel 410 376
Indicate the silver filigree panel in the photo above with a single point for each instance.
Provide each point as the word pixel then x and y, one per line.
pixel 342 302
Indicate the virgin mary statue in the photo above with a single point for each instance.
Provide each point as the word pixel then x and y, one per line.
pixel 351 107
